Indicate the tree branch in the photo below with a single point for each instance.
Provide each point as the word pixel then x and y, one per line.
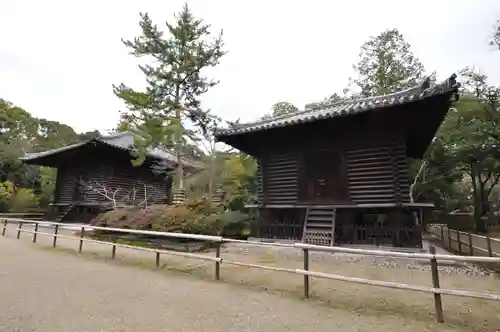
pixel 495 181
pixel 101 190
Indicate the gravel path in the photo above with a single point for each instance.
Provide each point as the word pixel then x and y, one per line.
pixel 334 305
pixel 47 291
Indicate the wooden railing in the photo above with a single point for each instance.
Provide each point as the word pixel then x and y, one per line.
pixel 380 235
pixel 466 242
pixel 23 215
pixel 431 257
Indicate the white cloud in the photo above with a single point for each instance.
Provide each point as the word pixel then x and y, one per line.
pixel 59 59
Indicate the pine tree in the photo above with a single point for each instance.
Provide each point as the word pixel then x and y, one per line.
pixel 175 81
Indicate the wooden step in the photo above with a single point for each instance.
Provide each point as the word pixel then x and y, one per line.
pixel 319 225
pixel 320 218
pixel 322 238
pixel 321 211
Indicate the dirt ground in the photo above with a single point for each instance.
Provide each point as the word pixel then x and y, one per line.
pixel 459 313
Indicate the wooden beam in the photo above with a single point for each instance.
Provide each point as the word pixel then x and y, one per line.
pixel 333 226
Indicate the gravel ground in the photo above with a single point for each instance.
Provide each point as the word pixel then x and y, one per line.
pixel 386 262
pixel 354 307
pixel 43 291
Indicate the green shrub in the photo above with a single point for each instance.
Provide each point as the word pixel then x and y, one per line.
pixel 173 218
pixel 6 191
pixel 229 224
pixel 128 217
pixel 194 218
pixel 22 200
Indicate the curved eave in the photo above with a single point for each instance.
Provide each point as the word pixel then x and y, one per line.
pixel 343 109
pixel 42 158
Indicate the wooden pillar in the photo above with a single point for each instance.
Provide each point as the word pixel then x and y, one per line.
pixel 19 229
pixel 306 268
pixel 488 245
pixel 217 263
pixel 4 227
pixel 82 234
pixel 471 247
pixel 438 305
pixel 35 233
pixel 333 226
pixel 397 222
pixel 54 240
pixel 113 249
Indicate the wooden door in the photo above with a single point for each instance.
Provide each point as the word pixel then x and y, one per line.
pixel 324 177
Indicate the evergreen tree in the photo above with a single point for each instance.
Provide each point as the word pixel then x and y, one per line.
pixel 387 64
pixel 162 114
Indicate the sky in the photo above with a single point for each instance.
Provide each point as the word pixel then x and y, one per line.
pixel 59 59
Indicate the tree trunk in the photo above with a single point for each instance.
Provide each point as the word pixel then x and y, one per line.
pixel 180 169
pixel 178 151
pixel 481 223
pixel 412 186
pixel 211 177
pixel 478 200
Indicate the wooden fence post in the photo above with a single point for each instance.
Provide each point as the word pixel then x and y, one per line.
pixel 157 261
pixel 435 283
pixel 471 248
pixel 56 231
pixel 4 227
pixel 459 242
pixel 19 229
pixel 113 249
pixel 35 233
pixel 449 238
pixel 82 234
pixel 306 277
pixel 488 245
pixel 217 263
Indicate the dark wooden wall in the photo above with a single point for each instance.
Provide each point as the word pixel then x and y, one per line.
pixel 374 160
pixel 281 178
pixel 378 174
pixel 113 171
pixel 260 183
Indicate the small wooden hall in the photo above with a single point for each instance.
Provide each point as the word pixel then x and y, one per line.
pixel 98 174
pixel 337 174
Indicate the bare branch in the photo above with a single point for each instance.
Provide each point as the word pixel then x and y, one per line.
pixel 101 189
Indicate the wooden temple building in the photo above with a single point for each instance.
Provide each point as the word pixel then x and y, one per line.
pixel 337 174
pixel 98 174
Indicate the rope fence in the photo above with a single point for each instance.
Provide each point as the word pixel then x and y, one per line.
pixel 305 272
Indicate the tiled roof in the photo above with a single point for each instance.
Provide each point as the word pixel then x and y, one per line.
pixel 125 141
pixel 346 107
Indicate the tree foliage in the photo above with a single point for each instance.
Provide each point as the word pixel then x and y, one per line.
pixel 386 64
pixel 471 137
pixel 283 107
pixel 24 186
pixel 495 40
pixel 175 79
